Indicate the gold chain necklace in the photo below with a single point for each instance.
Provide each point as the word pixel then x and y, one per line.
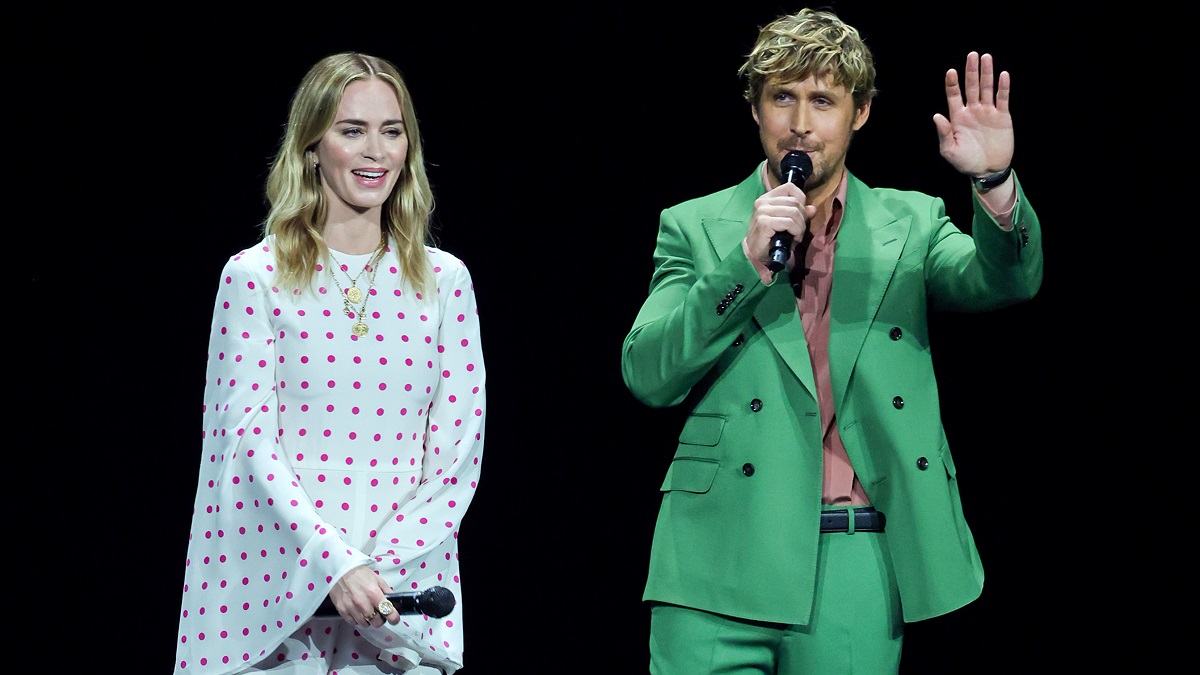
pixel 354 293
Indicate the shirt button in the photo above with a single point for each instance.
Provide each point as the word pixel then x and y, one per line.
pixel 922 463
pixel 897 402
pixel 748 469
pixel 895 333
pixel 756 405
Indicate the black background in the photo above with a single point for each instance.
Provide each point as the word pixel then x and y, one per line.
pixel 554 136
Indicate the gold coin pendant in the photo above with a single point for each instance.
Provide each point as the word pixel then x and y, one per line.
pixel 353 294
pixel 359 329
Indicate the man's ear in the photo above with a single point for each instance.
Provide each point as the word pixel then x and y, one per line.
pixel 861 115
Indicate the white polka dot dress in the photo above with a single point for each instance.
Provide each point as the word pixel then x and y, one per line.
pixel 323 450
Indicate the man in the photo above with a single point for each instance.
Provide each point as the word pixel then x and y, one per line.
pixel 811 508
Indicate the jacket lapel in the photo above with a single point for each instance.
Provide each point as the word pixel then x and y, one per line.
pixel 777 314
pixel 869 244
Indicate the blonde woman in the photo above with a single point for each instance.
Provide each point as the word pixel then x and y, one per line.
pixel 343 406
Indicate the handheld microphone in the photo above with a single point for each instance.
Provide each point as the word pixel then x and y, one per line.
pixel 796 167
pixel 436 601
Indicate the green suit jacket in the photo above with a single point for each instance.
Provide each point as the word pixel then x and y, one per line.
pixel 737 530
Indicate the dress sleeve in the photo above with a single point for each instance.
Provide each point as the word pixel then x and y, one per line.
pixel 424 531
pixel 258 553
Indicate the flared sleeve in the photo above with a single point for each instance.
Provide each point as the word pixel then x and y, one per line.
pixel 256 539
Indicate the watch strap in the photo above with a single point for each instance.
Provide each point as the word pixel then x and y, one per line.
pixel 985 183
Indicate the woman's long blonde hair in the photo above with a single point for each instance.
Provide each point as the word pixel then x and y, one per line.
pixel 298 207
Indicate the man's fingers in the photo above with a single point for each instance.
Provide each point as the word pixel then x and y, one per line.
pixel 1002 92
pixel 987 75
pixel 971 78
pixel 954 99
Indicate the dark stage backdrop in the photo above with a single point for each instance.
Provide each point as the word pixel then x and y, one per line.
pixel 555 136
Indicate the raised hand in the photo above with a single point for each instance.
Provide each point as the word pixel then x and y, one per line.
pixel 977 138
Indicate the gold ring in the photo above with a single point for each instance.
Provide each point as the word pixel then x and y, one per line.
pixel 385 607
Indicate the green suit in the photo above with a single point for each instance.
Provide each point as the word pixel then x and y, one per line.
pixel 737 530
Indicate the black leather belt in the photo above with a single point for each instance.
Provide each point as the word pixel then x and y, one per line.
pixel 865 520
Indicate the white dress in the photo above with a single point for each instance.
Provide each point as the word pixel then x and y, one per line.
pixel 322 451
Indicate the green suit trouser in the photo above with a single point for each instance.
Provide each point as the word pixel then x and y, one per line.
pixel 856 625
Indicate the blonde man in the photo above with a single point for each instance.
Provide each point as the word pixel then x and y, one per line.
pixel 811 508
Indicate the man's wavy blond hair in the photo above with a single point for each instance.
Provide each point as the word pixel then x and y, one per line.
pixel 298 207
pixel 810 42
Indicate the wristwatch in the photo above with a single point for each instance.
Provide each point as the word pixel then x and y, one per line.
pixel 985 183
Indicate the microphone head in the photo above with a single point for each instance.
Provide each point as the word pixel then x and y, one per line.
pixel 437 601
pixel 796 167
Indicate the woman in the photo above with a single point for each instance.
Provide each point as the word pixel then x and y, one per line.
pixel 343 405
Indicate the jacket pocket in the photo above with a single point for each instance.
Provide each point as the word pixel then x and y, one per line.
pixel 702 430
pixel 690 474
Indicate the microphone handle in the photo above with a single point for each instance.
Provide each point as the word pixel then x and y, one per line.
pixel 406 603
pixel 781 249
